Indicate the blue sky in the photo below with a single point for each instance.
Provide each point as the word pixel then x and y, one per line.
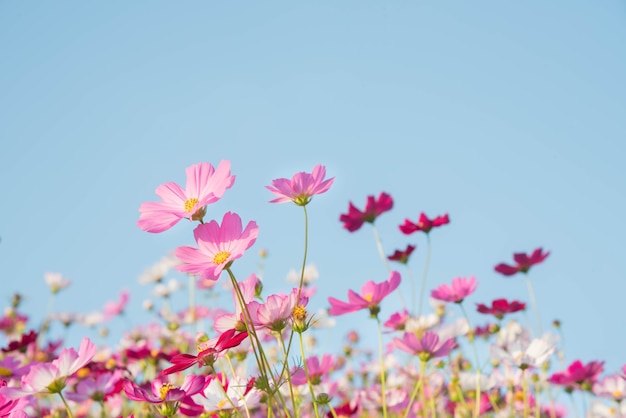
pixel 509 116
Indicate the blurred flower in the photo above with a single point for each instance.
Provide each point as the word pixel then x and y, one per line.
pixel 112 309
pixel 310 275
pixel 205 185
pixel 166 290
pixel 525 356
pixel 459 290
pixel 424 224
pixel 426 347
pixel 402 256
pixel 611 387
pixel 218 246
pixel 578 375
pixel 523 262
pixel 302 186
pixel 354 219
pixel 371 296
pixel 56 281
pixel 156 273
pixel 501 307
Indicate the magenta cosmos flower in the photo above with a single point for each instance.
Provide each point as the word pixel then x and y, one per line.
pixel 578 375
pixel 501 307
pixel 371 296
pixel 426 347
pixel 402 256
pixel 457 291
pixel 523 262
pixel 218 246
pixel 424 224
pixel 205 185
pixel 302 186
pixel 355 218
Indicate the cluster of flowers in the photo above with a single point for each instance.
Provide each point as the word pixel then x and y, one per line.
pixel 256 363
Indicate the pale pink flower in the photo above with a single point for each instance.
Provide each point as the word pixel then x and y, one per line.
pixel 302 186
pixel 51 377
pixel 56 281
pixel 228 321
pixel 218 246
pixel 220 395
pixel 98 386
pixel 371 296
pixel 611 387
pixel 427 347
pixel 205 185
pixel 113 308
pixel 276 312
pixel 459 290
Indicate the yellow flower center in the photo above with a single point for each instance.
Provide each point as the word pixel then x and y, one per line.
pixel 220 404
pixel 298 312
pixel 165 388
pixel 190 203
pixel 220 257
pixel 82 373
pixel 4 372
pixel 368 297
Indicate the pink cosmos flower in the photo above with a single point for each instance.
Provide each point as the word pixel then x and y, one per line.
pixel 208 352
pixel 523 262
pixel 228 321
pixel 205 185
pixel 578 375
pixel 425 348
pixel 501 307
pixel 218 246
pixel 423 224
pixel 397 320
pixel 355 218
pixel 402 256
pixel 51 377
pixel 99 386
pixel 302 186
pixel 162 393
pixel 459 290
pixel 277 310
pixel 112 309
pixel 371 296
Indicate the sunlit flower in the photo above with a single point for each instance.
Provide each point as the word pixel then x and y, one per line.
pixel 355 218
pixel 205 185
pixel 218 246
pixel 457 291
pixel 424 224
pixel 221 395
pixel 523 262
pixel 56 281
pixel 427 347
pixel 302 186
pixel 371 296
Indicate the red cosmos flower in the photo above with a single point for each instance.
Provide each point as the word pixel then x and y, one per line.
pixel 578 375
pixel 501 307
pixel 402 256
pixel 523 262
pixel 424 224
pixel 208 354
pixel 354 219
pixel 22 343
pixel 348 409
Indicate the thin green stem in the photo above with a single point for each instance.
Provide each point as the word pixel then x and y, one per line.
pixel 525 393
pixel 477 364
pixel 306 249
pixel 383 391
pixel 67 407
pixel 379 245
pixel 424 275
pixel 533 302
pixel 419 384
pixel 308 377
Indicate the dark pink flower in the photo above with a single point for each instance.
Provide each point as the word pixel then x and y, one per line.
pixel 302 186
pixel 354 219
pixel 402 256
pixel 205 185
pixel 523 262
pixel 397 320
pixel 371 296
pixel 426 347
pixel 501 307
pixel 459 290
pixel 424 224
pixel 578 375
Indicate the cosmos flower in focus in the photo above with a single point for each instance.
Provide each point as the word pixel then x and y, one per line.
pixel 355 218
pixel 218 246
pixel 205 185
pixel 302 186
pixel 371 296
pixel 523 262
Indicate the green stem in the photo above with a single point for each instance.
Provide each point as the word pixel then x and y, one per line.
pixel 424 275
pixel 67 407
pixel 308 377
pixel 533 302
pixel 525 393
pixel 383 391
pixel 419 384
pixel 477 366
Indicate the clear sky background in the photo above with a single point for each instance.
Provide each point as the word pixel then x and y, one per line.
pixel 507 115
